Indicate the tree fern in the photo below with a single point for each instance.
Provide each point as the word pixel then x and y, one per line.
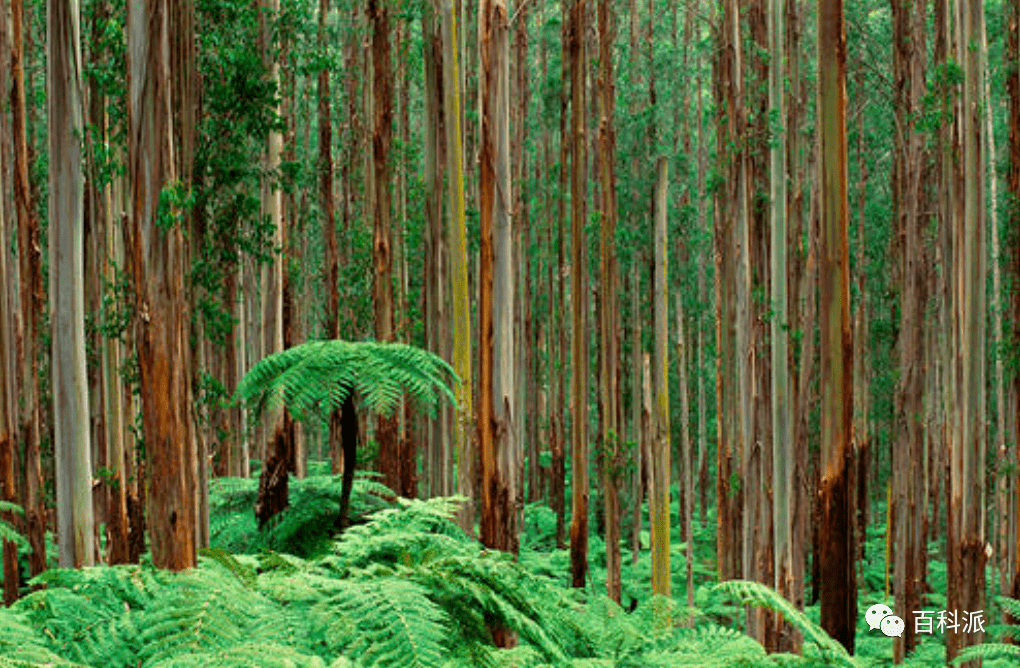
pixel 318 376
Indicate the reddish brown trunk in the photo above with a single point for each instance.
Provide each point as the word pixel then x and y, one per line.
pixel 382 246
pixel 839 591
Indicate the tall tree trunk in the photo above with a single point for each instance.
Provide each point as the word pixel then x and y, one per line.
pixel 608 312
pixel 162 324
pixel 332 258
pixel 382 243
pixel 8 374
pixel 497 443
pixel 782 409
pixel 578 298
pixel 839 591
pixel 1012 57
pixel 687 503
pixel 432 289
pixel 638 484
pixel 908 65
pixel 967 477
pixel 460 307
pixel 802 287
pixel 72 442
pixel 30 282
pixel 660 469
pixel 560 443
pixel 1002 435
pixel 278 462
pixel 732 238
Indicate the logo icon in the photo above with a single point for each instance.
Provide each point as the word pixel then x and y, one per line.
pixel 892 626
pixel 881 616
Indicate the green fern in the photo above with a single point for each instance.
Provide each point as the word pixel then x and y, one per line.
pixel 988 651
pixel 7 532
pixel 830 651
pixel 317 376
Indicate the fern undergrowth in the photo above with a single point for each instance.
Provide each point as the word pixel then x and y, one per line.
pixel 405 588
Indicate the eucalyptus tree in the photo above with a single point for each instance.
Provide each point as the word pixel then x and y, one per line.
pixel 456 229
pixel 782 409
pixel 909 201
pixel 609 307
pixel 575 51
pixel 72 443
pixel 278 450
pixel 1012 58
pixel 839 591
pixel 157 257
pixel 8 435
pixel 967 465
pixel 660 468
pixel 30 301
pixel 380 205
pixel 497 440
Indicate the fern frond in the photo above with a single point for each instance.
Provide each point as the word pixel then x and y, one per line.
pixel 88 614
pixel 1010 605
pixel 490 589
pixel 245 573
pixel 21 646
pixel 755 593
pixel 8 532
pixel 989 650
pixel 317 376
pixel 244 655
pixel 384 622
pixel 203 610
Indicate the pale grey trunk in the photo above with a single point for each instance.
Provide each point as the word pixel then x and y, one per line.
pixel 67 283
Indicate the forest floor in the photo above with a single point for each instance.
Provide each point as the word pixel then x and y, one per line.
pixel 405 588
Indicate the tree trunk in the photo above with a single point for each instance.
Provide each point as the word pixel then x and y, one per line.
pixel 382 243
pixel 158 260
pixel 687 503
pixel 660 469
pixel 30 272
pixel 908 455
pixel 332 320
pixel 8 435
pixel 278 462
pixel 967 477
pixel 578 298
pixel 1012 56
pixel 497 443
pixel 782 413
pixel 460 307
pixel 73 453
pixel 608 312
pixel 638 484
pixel 839 591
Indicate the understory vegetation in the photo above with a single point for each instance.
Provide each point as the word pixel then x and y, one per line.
pixel 404 587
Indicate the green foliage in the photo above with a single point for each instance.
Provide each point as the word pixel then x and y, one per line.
pixel 754 593
pixel 316 377
pixel 304 528
pixel 8 532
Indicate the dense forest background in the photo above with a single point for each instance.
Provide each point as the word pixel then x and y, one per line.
pixel 730 287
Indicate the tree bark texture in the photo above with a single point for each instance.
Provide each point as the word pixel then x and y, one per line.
pixel 159 257
pixel 661 468
pixel 839 591
pixel 72 432
pixel 575 48
pixel 498 447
